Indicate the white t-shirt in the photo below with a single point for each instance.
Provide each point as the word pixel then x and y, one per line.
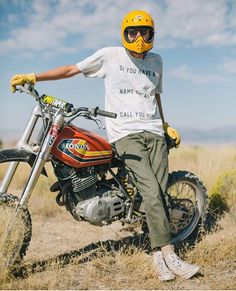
pixel 130 86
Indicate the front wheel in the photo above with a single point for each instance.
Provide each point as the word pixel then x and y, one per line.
pixel 15 231
pixel 188 202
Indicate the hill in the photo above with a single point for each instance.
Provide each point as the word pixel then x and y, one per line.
pixel 220 135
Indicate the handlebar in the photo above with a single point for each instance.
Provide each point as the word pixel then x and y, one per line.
pixel 105 113
pixel 57 103
pixel 67 107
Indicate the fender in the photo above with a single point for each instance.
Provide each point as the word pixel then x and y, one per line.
pixel 19 155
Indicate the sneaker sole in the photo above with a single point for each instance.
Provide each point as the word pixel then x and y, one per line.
pixel 163 279
pixel 191 273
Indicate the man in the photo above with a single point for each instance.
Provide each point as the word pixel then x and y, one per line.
pixel 133 83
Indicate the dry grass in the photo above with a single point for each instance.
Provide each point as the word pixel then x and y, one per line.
pixel 131 269
pixel 42 201
pixel 206 162
pixel 223 238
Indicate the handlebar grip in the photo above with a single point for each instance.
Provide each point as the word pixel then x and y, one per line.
pixel 58 103
pixel 105 113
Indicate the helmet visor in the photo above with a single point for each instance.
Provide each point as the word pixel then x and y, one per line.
pixel 131 33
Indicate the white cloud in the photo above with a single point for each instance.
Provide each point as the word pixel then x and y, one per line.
pixel 64 25
pixel 228 67
pixel 184 72
pixel 198 23
pixel 223 73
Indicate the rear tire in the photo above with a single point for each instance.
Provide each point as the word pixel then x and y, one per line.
pixel 189 202
pixel 15 231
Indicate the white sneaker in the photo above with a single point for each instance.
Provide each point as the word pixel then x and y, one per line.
pixel 179 267
pixel 164 274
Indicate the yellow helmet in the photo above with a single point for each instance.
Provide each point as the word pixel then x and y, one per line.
pixel 138 19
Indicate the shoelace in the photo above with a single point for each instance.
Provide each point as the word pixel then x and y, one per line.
pixel 175 260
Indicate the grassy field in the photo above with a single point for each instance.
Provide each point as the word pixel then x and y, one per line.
pixel 58 257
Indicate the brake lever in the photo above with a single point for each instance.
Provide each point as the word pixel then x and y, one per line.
pixel 91 116
pixel 28 89
pixel 99 123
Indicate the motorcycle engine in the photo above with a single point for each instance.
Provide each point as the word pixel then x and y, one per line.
pixel 82 181
pixel 99 211
pixel 83 198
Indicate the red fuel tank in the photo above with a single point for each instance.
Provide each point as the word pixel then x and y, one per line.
pixel 81 148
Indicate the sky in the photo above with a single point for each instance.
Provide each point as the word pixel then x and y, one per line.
pixel 196 39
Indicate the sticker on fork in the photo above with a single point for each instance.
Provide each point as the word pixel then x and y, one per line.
pixel 54 130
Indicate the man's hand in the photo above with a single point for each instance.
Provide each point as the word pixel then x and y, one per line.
pixel 172 133
pixel 21 79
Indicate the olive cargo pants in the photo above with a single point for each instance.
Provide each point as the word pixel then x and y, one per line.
pixel 146 155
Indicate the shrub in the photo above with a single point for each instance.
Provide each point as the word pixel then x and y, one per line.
pixel 223 192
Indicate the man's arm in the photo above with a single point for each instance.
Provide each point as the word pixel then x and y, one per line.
pixel 58 73
pixel 171 132
pixel 54 74
pixel 158 98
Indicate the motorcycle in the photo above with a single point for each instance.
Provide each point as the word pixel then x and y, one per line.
pixel 93 182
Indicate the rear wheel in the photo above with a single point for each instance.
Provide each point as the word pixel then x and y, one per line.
pixel 15 231
pixel 188 201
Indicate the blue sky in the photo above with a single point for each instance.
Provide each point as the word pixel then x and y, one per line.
pixel 196 39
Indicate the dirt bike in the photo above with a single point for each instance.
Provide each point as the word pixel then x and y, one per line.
pixel 93 182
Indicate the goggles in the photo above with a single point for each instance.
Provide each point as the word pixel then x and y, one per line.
pixel 146 32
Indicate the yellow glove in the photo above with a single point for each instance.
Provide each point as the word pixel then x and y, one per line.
pixel 21 79
pixel 172 133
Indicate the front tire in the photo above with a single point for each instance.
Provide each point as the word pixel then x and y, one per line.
pixel 15 231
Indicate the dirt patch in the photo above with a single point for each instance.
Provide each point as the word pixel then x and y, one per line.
pixel 55 261
pixel 55 235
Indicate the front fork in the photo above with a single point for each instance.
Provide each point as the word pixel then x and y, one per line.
pixel 23 143
pixel 42 157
